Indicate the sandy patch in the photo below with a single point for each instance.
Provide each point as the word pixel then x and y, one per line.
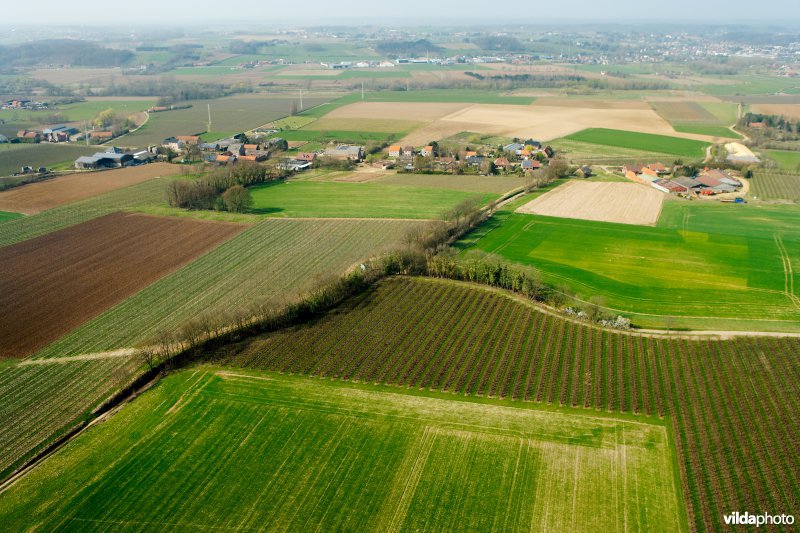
pixel 739 150
pixel 297 144
pixel 421 112
pixel 543 122
pixel 624 203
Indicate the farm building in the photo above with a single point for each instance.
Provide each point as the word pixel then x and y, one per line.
pixel 502 162
pixel 531 164
pixel 427 151
pixel 395 150
pixel 58 134
pixel 307 156
pixel 668 186
pixel 346 151
pixel 104 160
pixel 3 139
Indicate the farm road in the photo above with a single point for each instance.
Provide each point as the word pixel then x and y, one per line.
pixel 124 352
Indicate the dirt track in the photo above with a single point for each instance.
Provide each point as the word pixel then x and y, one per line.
pixel 36 197
pixel 624 203
pixel 52 284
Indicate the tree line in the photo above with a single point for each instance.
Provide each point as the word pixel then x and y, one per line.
pixel 223 189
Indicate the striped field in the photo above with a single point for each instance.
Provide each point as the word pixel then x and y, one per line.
pixel 732 405
pixel 279 453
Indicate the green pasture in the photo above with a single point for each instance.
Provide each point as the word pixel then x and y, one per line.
pixel 300 199
pixel 705 266
pixel 641 141
pixel 5 215
pixel 751 84
pixel 707 129
pixel 234 449
pixel 787 161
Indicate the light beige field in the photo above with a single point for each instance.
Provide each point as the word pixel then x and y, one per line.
pixel 543 122
pixel 623 203
pixel 363 124
pixel 592 103
pixel 421 112
pixel 787 110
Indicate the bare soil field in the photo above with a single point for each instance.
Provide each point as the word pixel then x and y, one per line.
pixel 543 122
pixel 413 111
pixel 363 124
pixel 623 203
pixel 37 197
pixel 592 103
pixel 787 110
pixel 52 284
pixel 682 111
pixel 739 150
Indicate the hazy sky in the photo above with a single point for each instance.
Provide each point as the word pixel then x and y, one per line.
pixel 426 12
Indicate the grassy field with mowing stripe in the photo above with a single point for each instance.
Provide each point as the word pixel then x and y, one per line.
pixel 356 200
pixel 288 453
pixel 424 334
pixel 642 141
pixel 713 266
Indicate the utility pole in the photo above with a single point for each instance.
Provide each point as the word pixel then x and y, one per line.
pixel 86 132
pixel 209 118
pixel 407 86
pixel 301 98
pixel 362 90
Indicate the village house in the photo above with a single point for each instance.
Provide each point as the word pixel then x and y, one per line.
pixel 395 150
pixel 427 151
pixel 502 162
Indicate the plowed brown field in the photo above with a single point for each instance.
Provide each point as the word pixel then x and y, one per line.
pixel 52 284
pixel 36 197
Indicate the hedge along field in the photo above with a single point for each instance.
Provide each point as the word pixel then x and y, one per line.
pixel 356 200
pixel 41 402
pixel 274 452
pixel 732 406
pixel 270 263
pixel 766 186
pixel 714 267
pixel 642 141
pixel 234 113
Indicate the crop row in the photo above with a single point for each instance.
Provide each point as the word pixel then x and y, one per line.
pixel 733 405
pixel 39 402
pixel 270 263
pixel 776 186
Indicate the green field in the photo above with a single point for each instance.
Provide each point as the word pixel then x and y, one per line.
pixel 14 156
pixel 41 402
pixel 287 453
pixel 475 184
pixel 356 200
pixel 767 186
pixel 642 141
pixel 715 267
pixel 90 109
pixel 750 84
pixel 234 113
pixel 591 153
pixel 731 405
pixel 4 215
pixel 270 264
pixel 706 129
pixel 787 161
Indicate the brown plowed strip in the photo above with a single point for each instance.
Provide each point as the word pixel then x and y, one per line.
pixel 36 197
pixel 52 284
